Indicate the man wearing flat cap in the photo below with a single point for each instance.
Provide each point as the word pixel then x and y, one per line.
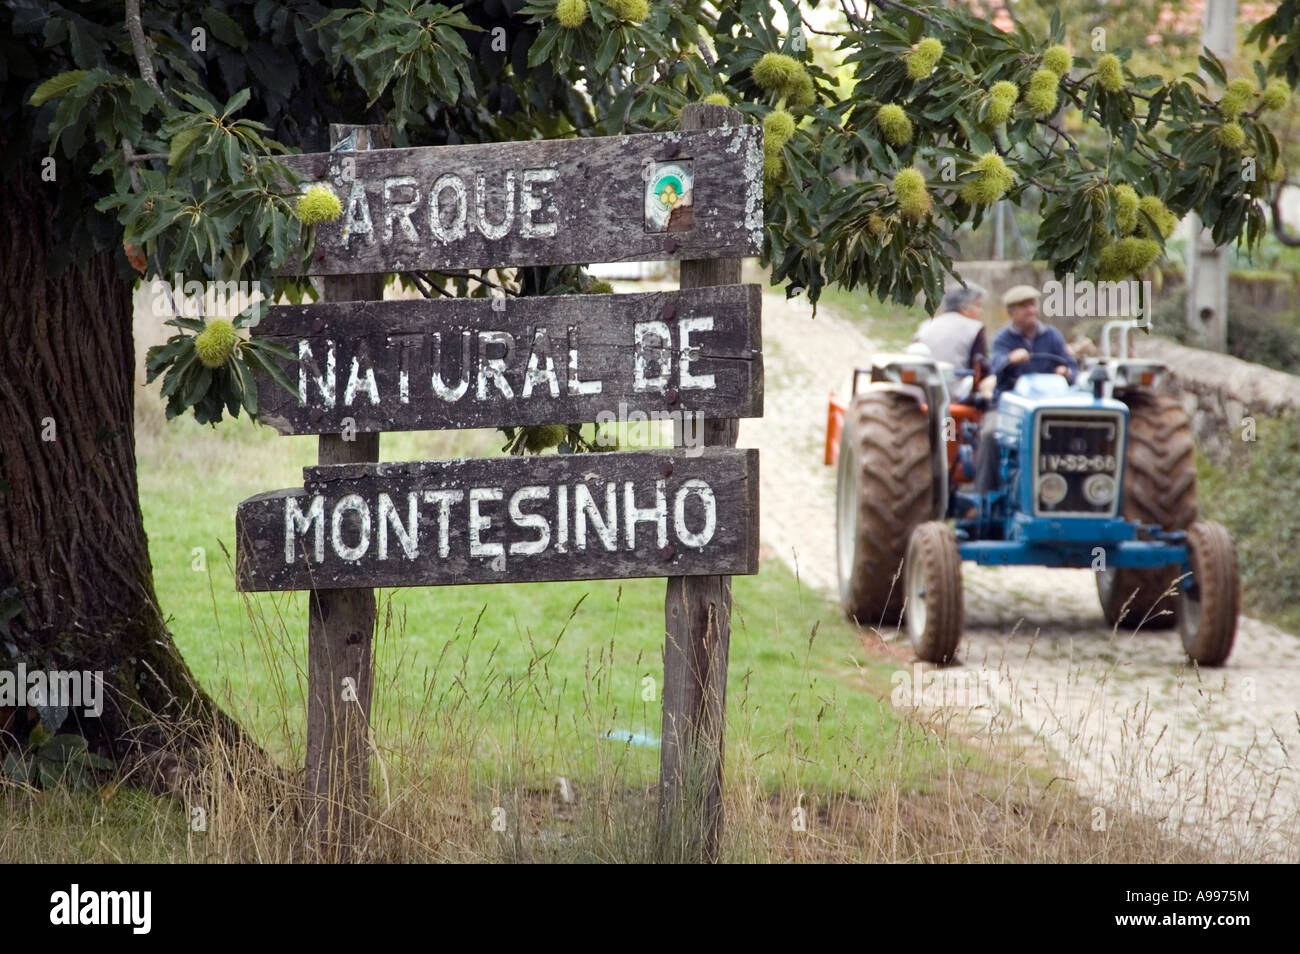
pixel 1025 336
pixel 1023 340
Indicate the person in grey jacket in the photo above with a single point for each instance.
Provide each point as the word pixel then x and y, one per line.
pixel 955 334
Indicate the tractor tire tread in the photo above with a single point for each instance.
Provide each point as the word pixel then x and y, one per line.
pixel 1214 561
pixel 1159 488
pixel 941 563
pixel 890 437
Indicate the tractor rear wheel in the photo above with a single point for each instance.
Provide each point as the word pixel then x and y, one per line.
pixel 932 586
pixel 882 494
pixel 1159 488
pixel 1207 614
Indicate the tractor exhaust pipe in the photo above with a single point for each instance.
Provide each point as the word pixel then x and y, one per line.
pixel 1098 378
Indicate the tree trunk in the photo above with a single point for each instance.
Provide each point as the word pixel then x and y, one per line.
pixel 74 559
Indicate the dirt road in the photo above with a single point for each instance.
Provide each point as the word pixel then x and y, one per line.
pixel 1214 754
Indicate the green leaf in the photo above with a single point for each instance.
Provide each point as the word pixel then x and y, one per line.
pixel 236 102
pixel 225 29
pixel 17 768
pixel 1212 66
pixel 199 102
pixel 247 384
pixel 197 386
pixel 608 50
pixel 176 375
pixel 56 86
pixel 271 368
pixel 160 357
pixel 234 168
pixel 181 143
pixel 542 46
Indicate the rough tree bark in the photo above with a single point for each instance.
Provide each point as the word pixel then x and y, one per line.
pixel 74 558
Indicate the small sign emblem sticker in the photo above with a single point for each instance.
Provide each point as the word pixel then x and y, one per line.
pixel 669 193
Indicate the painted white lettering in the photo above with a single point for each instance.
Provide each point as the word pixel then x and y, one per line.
pixel 562 518
pixel 444 499
pixel 399 210
pixel 358 381
pixel 355 503
pixel 530 521
pixel 584 507
pixel 658 514
pixel 576 384
pixel 645 334
pixel 530 204
pixel 456 230
pixel 440 387
pixel 706 497
pixel 479 522
pixel 541 367
pixel 704 382
pixel 494 369
pixel 356 216
pixel 408 536
pixel 490 230
pixel 296 522
pixel 325 383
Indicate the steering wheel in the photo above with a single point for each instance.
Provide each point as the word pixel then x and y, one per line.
pixel 1037 364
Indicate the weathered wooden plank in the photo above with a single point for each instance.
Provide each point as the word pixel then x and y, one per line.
pixel 505 520
pixel 542 202
pixel 470 362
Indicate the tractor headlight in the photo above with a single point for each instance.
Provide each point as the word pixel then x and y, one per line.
pixel 1099 489
pixel 1052 489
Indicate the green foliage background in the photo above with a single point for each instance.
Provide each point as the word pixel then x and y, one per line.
pixel 1267 536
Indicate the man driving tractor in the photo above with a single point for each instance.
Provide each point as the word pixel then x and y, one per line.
pixel 1025 337
pixel 1024 344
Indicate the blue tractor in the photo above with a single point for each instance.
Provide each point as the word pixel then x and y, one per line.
pixel 1099 475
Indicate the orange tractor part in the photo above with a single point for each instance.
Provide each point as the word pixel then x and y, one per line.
pixel 834 427
pixel 959 414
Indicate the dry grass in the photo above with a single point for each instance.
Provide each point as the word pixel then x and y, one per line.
pixel 988 798
pixel 436 815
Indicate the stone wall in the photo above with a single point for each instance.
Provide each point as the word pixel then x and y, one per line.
pixel 1220 392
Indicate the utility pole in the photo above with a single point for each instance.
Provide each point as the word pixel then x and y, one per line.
pixel 999 236
pixel 1207 266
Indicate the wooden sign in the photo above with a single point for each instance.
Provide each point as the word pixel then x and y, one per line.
pixel 364 365
pixel 472 362
pixel 505 520
pixel 670 195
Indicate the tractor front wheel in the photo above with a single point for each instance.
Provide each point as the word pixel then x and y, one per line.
pixel 932 588
pixel 1207 611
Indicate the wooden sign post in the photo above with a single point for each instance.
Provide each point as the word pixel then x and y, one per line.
pixel 341 625
pixel 697 612
pixel 363 365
